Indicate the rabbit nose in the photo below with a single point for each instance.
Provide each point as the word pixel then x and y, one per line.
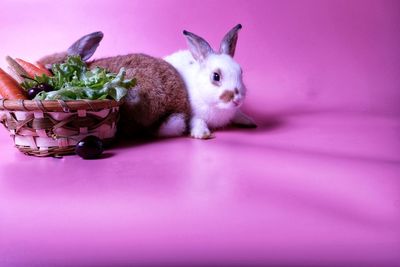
pixel 236 91
pixel 227 96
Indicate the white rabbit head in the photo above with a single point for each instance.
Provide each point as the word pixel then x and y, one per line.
pixel 218 77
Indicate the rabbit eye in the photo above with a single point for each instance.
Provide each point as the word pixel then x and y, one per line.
pixel 216 77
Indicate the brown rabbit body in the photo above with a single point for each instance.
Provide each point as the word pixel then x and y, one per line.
pixel 160 93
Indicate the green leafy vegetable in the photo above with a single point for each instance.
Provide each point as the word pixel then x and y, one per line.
pixel 72 80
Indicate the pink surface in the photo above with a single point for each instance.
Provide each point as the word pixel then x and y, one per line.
pixel 316 184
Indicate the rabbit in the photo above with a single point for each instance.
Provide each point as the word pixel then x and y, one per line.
pixel 214 83
pixel 188 91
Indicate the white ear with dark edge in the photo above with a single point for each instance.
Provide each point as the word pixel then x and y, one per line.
pixel 86 45
pixel 242 120
pixel 199 47
pixel 228 44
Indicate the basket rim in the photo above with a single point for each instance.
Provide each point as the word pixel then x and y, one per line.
pixel 56 105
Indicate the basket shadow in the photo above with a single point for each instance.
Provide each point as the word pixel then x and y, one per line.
pixel 121 142
pixel 106 155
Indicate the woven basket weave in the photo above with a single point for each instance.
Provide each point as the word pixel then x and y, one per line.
pixel 53 128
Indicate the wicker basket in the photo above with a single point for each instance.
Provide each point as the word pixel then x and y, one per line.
pixel 53 128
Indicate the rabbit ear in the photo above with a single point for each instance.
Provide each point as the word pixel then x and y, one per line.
pixel 199 47
pixel 228 44
pixel 86 45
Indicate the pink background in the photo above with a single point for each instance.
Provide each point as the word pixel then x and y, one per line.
pixel 316 184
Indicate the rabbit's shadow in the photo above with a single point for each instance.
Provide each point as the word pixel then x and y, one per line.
pixel 265 123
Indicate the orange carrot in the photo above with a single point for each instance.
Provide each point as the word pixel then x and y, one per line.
pixel 9 88
pixel 42 67
pixel 31 69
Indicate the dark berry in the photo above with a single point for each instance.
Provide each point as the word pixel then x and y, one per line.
pixel 89 147
pixel 45 87
pixel 32 92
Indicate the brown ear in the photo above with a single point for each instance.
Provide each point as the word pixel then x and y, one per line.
pixel 199 47
pixel 228 44
pixel 86 45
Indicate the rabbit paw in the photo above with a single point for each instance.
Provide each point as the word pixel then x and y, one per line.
pixel 199 129
pixel 201 133
pixel 174 126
